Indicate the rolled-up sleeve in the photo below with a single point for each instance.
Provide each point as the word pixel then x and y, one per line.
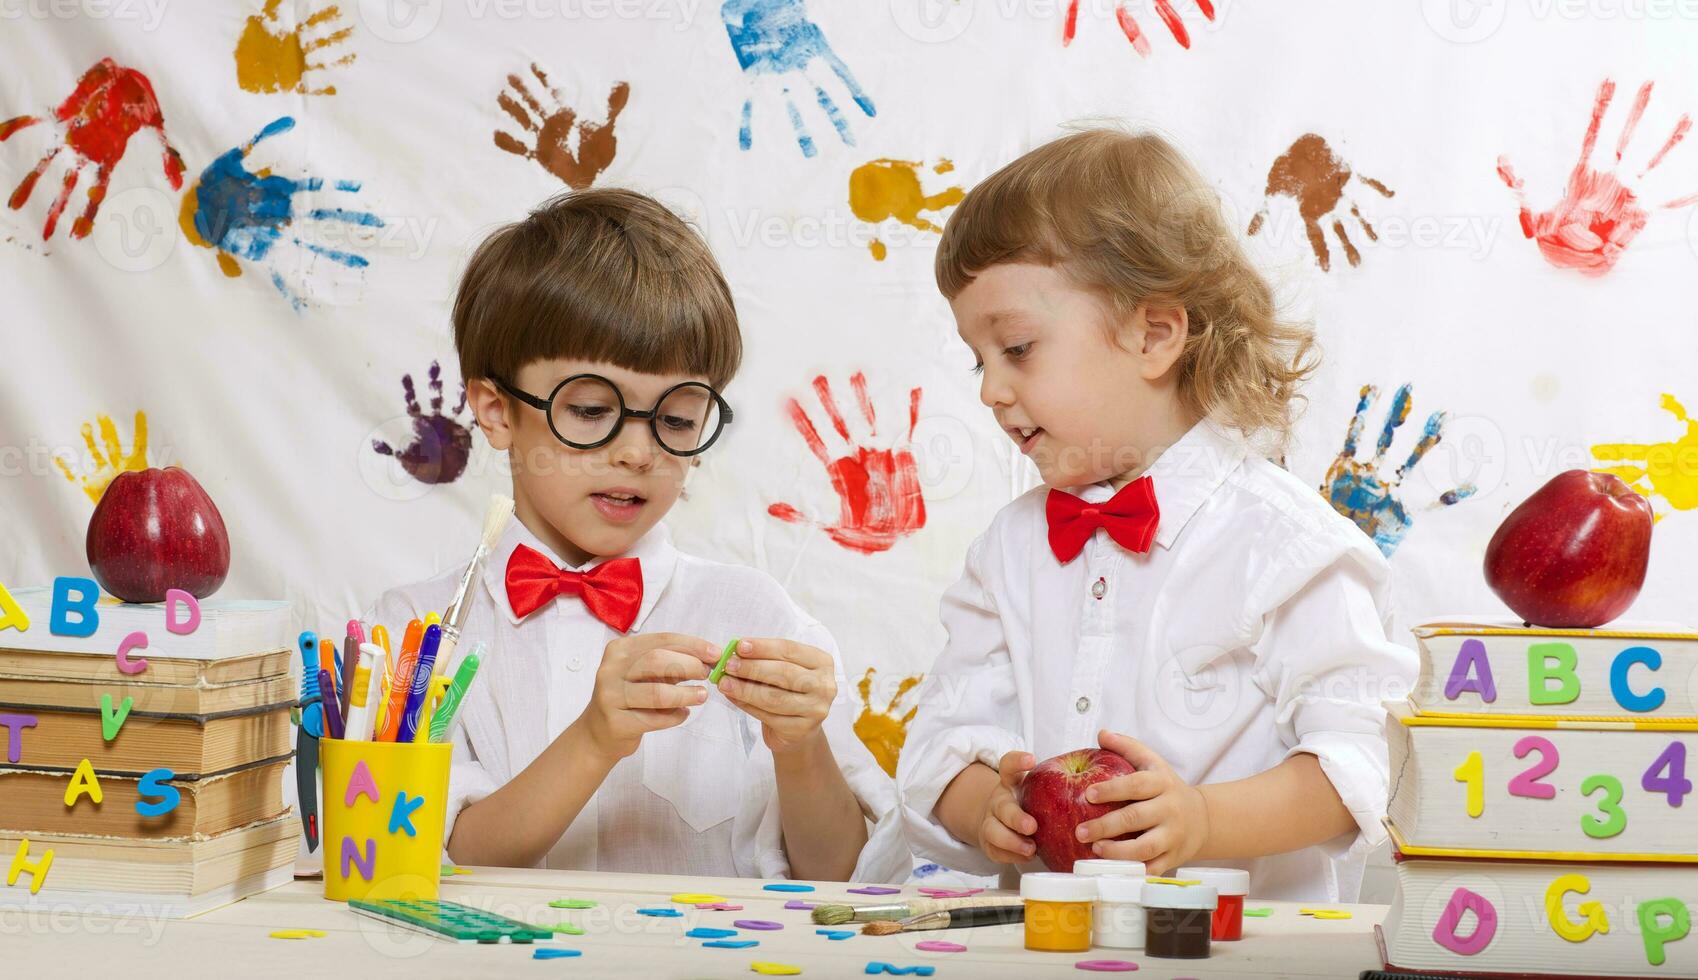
pixel 969 711
pixel 1324 653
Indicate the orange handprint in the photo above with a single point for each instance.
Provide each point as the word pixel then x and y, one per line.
pixel 271 58
pixel 892 189
pixel 879 488
pixel 1598 216
pixel 553 131
pixel 1129 26
pixel 882 731
pixel 114 461
pixel 1311 174
pixel 1660 469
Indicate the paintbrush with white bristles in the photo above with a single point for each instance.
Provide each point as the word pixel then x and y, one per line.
pixel 454 617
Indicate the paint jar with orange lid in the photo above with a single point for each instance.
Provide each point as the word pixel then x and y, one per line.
pixel 1058 911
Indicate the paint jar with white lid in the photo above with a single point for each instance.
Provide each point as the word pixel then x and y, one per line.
pixel 1117 920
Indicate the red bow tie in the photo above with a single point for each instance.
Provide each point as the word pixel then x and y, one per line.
pixel 1129 517
pixel 612 591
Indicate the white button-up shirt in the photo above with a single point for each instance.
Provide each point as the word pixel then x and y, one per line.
pixel 1255 628
pixel 698 799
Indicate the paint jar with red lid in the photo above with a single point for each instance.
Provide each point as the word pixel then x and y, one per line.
pixel 1230 885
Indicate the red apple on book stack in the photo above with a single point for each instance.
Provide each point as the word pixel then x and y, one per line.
pixel 155 530
pixel 1053 792
pixel 1573 555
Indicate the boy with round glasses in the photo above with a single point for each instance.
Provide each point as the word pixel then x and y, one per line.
pixel 595 336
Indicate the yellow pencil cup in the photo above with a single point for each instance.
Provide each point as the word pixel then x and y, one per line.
pixel 383 805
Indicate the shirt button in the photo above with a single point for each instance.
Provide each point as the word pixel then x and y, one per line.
pixel 1099 587
pixel 1083 704
pixel 575 663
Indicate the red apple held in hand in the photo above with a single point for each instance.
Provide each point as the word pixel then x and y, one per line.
pixel 1053 792
pixel 1573 555
pixel 155 530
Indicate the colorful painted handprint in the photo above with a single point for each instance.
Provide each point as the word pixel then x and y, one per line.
pixel 273 57
pixel 1658 469
pixel 441 443
pixel 106 466
pixel 887 188
pixel 1129 24
pixel 110 105
pixel 882 730
pixel 1357 489
pixel 244 214
pixel 776 43
pixel 1311 174
pixel 573 149
pixel 879 489
pixel 1599 215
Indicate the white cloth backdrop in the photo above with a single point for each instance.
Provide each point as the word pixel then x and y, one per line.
pixel 272 395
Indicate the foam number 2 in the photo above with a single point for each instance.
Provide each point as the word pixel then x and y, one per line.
pixel 1527 784
pixel 1675 784
pixel 1473 773
pixel 1614 818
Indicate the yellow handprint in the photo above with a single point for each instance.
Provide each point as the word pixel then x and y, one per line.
pixel 892 189
pixel 1662 469
pixel 882 731
pixel 108 466
pixel 272 59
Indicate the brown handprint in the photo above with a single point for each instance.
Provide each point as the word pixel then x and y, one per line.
pixel 554 131
pixel 272 58
pixel 1313 175
pixel 111 104
pixel 879 488
pixel 1598 216
pixel 882 731
pixel 1129 26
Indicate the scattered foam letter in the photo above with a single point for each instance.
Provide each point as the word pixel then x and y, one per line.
pixel 172 598
pixel 12 615
pixel 1657 935
pixel 1596 920
pixel 402 816
pixel 1472 672
pixel 37 870
pixel 88 593
pixel 1625 695
pixel 351 856
pixel 361 783
pixel 135 641
pixel 156 783
pixel 83 781
pixel 1461 902
pixel 111 721
pixel 1541 671
pixel 15 725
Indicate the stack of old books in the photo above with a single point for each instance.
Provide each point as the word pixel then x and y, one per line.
pixel 155 788
pixel 1539 803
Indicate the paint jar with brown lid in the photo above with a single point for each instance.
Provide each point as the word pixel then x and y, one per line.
pixel 1178 920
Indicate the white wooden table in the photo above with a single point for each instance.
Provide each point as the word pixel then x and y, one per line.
pixel 235 940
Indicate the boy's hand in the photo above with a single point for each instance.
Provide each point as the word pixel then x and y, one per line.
pixel 787 686
pixel 1169 814
pixel 638 688
pixel 1005 832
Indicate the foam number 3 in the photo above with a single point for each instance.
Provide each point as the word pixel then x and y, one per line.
pixel 1527 784
pixel 1472 772
pixel 1614 818
pixel 1672 761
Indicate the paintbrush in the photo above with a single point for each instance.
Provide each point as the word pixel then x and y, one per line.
pixel 983 915
pixel 836 915
pixel 454 617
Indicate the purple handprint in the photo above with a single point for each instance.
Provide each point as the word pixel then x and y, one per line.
pixel 441 443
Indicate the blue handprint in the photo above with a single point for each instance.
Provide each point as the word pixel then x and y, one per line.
pixel 243 215
pixel 775 38
pixel 1357 490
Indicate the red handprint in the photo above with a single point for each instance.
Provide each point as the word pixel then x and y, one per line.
pixel 1598 216
pixel 1129 26
pixel 879 488
pixel 111 104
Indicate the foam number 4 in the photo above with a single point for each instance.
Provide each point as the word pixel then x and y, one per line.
pixel 1614 819
pixel 1472 772
pixel 1527 784
pixel 1674 783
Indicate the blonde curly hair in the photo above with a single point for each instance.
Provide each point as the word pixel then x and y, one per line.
pixel 1126 216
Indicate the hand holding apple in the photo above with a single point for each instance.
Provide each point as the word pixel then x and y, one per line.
pixel 1054 793
pixel 155 530
pixel 1573 555
pixel 1164 825
pixel 1005 830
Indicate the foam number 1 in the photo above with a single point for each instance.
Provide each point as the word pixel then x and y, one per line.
pixel 1614 819
pixel 1527 784
pixel 1472 772
pixel 1675 784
